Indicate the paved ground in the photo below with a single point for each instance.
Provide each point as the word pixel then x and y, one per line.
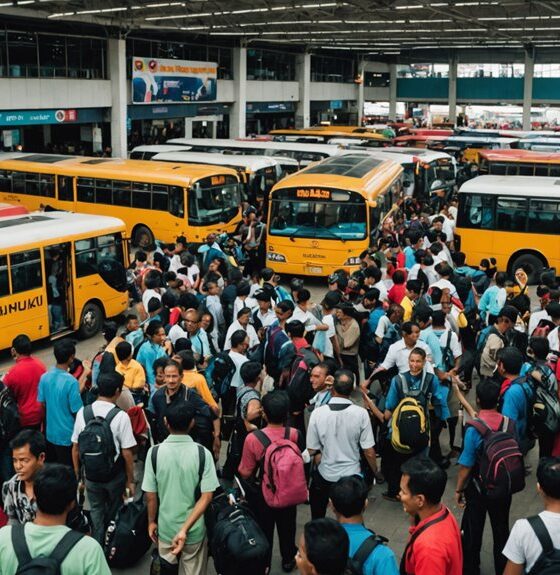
pixel 387 519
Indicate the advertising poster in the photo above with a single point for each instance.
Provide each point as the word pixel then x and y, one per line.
pixel 156 80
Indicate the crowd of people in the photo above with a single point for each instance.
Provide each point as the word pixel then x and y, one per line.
pixel 317 402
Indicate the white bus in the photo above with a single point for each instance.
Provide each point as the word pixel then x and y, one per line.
pixel 149 151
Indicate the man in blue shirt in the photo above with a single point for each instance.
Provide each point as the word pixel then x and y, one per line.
pixel 349 498
pixel 151 350
pixel 59 393
pixel 516 394
pixel 416 242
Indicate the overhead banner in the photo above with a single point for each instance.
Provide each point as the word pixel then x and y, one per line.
pixel 156 80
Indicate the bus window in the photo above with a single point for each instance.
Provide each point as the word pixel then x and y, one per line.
pixel 511 214
pixel 514 170
pixel 137 155
pixel 213 200
pixel 4 284
pixel 26 272
pixel 177 201
pixel 554 171
pixel 46 185
pixel 476 212
pixel 121 193
pixel 32 184
pixel 86 190
pixel 544 217
pixel 65 189
pixel 541 170
pixel 160 195
pixel 140 194
pixel 497 169
pixel 18 182
pixel 524 170
pixel 5 181
pixel 103 193
pixel 90 252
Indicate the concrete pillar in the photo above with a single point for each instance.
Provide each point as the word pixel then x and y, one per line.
pixel 361 98
pixel 188 127
pixel 528 87
pixel 238 115
pixel 303 110
pixel 117 75
pixel 392 92
pixel 452 97
pixel 47 134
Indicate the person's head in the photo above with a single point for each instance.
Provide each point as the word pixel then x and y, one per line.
pixel 243 316
pixel 156 332
pixel 21 345
pixel 399 277
pixel 372 275
pixel 423 317
pixel 55 488
pixel 132 323
pixel 141 257
pixel 436 249
pixel 284 310
pixel 460 259
pixel 506 318
pixel 179 417
pixel 212 288
pixel 64 351
pixel 154 306
pixel 29 449
pixel 110 384
pixel 323 548
pixel 264 301
pixel 192 321
pixel 152 279
pixel 267 274
pixel 444 270
pixel 239 341
pixel 318 377
pixel 500 278
pixel 250 372
pixel 395 313
pixel 276 406
pixel 538 348
pixel 343 383
pixel 548 477
pixel 510 360
pixel 416 360
pixel 413 289
pixel 487 394
pixel 295 328
pixel 344 311
pixel 410 332
pixel 331 300
pixel 422 484
pixel 169 300
pixel 438 319
pixel 123 351
pixel 553 310
pixel 207 322
pixel 173 372
pixel 186 359
pixel 349 497
pixel 303 297
pixel 371 298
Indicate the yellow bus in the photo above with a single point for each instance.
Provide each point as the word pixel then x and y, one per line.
pixel 519 163
pixel 324 134
pixel 513 218
pixel 60 272
pixel 321 218
pixel 156 200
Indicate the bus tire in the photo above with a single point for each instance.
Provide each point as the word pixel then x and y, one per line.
pixel 142 237
pixel 91 321
pixel 535 263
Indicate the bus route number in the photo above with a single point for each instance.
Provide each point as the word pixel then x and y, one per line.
pixel 314 193
pixel 218 180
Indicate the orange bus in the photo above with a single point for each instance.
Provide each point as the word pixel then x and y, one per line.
pixel 519 163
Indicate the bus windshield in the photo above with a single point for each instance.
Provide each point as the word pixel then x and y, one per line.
pixel 342 220
pixel 213 200
pixel 262 181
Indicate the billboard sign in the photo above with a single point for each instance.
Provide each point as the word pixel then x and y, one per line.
pixel 157 80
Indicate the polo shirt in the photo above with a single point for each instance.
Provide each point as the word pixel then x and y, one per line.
pixel 339 434
pixel 438 550
pixel 238 359
pixel 235 326
pixel 199 343
pixel 397 355
pixel 374 318
pixel 147 354
pixel 133 373
pixel 85 558
pixel 23 381
pixel 472 443
pixel 60 392
pixel 514 406
pixel 177 479
pixel 432 340
pixel 381 562
pixel 197 381
pixel 408 306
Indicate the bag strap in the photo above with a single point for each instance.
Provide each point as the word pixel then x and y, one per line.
pixel 201 465
pixel 88 413
pixel 481 426
pixel 404 384
pixel 287 431
pixel 365 550
pixel 262 437
pixel 447 345
pixel 153 457
pixel 20 544
pixel 65 545
pixel 112 414
pixel 538 526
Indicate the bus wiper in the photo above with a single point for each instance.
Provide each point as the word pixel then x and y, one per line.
pixel 322 227
pixel 295 232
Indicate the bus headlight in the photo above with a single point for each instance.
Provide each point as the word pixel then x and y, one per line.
pixel 352 262
pixel 274 257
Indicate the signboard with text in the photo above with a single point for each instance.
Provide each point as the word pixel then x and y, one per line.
pixel 156 80
pixel 29 117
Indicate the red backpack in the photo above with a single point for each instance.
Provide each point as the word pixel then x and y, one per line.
pixel 283 480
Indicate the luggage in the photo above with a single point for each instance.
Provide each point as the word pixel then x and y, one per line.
pixel 126 538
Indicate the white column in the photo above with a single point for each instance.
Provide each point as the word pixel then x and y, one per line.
pixel 188 128
pixel 238 115
pixel 452 97
pixel 117 75
pixel 392 92
pixel 303 110
pixel 528 87
pixel 361 98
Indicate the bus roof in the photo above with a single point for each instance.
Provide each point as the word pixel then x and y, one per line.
pixel 139 170
pixel 522 186
pixel 518 155
pixel 331 131
pixel 38 227
pixel 252 163
pixel 477 139
pixel 406 155
pixel 359 172
pixel 536 140
pixel 240 144
pixel 158 148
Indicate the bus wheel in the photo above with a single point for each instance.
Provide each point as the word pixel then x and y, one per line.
pixel 142 237
pixel 91 322
pixel 533 263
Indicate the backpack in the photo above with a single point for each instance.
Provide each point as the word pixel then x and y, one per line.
pixel 544 327
pixel 501 469
pixel 49 565
pixel 220 372
pixel 9 416
pixel 274 335
pixel 545 415
pixel 409 425
pixel 283 480
pixel 548 562
pixel 362 554
pixel 140 343
pixel 392 335
pixel 463 285
pixel 481 340
pixel 447 353
pixel 126 538
pixel 97 446
pixel 299 387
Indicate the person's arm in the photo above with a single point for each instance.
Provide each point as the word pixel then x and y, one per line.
pixel 248 462
pixel 514 568
pixel 85 374
pixel 152 504
pixel 463 401
pixel 217 443
pixel 253 412
pixel 462 478
pixel 180 538
pixel 76 459
pixel 369 404
pixel 129 467
pixel 371 458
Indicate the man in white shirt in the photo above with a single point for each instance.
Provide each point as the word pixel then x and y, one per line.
pixel 242 322
pixel 524 547
pixel 302 313
pixel 264 315
pixel 237 353
pixel 338 431
pixel 105 497
pixel 444 271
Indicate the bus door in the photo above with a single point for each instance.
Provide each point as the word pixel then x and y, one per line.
pixel 59 287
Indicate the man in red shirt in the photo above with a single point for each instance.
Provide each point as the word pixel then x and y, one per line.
pixel 23 381
pixel 434 546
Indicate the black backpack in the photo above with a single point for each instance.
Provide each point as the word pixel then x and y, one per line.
pixel 96 445
pixel 548 562
pixel 368 546
pixel 222 370
pixel 9 416
pixel 299 387
pixel 392 335
pixel 49 565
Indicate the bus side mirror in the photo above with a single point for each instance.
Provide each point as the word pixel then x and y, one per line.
pixel 113 274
